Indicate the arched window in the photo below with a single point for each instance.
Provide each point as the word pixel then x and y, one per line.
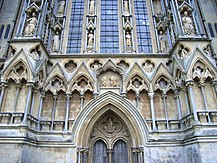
pixel 75 27
pixel 109 26
pixel 7 31
pixel 1 30
pixel 211 30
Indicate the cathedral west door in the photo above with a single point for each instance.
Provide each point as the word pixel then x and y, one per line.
pixel 110 141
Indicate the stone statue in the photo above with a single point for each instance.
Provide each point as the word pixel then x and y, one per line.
pixel 126 8
pixel 128 39
pixel 56 41
pixel 148 66
pixel 187 24
pixel 35 55
pixel 113 81
pixel 163 42
pixel 104 82
pixel 183 53
pixel 61 8
pixel 31 24
pixel 92 6
pixel 90 39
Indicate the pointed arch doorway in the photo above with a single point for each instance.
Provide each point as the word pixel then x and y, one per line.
pixel 110 141
pixel 107 128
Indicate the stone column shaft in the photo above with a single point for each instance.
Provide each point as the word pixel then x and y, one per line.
pixel 165 110
pixel 192 100
pixel 28 100
pixel 53 111
pixel 40 109
pixel 67 111
pixel 16 97
pixel 2 95
pixel 151 96
pixel 201 85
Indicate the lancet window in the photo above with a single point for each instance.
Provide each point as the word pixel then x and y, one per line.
pixel 108 27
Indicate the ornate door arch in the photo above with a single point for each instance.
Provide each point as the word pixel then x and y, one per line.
pixel 110 141
pixel 111 131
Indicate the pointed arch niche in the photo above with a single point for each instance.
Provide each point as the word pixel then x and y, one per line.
pixel 112 130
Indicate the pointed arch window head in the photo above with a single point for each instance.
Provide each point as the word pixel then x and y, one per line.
pixel 108 26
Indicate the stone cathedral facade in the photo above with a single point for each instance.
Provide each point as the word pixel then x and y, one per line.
pixel 108 81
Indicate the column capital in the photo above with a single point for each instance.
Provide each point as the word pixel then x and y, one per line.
pixel 110 150
pixel 151 95
pixel 214 82
pixel 163 95
pixel 55 97
pixel 201 84
pixel 30 84
pixel 176 93
pixel 4 84
pixel 189 83
pixel 68 95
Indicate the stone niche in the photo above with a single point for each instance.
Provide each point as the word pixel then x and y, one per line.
pixel 109 81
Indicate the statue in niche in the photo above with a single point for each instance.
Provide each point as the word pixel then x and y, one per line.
pixel 92 7
pixel 56 41
pixel 35 55
pixel 183 53
pixel 90 39
pixel 162 41
pixel 198 71
pixel 113 81
pixel 187 24
pixel 104 82
pixel 128 39
pixel 148 66
pixel 207 50
pixel 31 24
pixel 61 7
pixel 109 82
pixel 126 8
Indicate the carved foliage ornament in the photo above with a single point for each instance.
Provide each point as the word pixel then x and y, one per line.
pixel 18 72
pixel 82 84
pixel 201 72
pixel 55 85
pixel 163 84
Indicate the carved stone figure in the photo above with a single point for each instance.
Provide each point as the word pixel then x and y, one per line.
pixel 109 127
pixel 35 56
pixel 183 53
pixel 92 6
pixel 126 8
pixel 56 41
pixel 148 66
pixel 128 39
pixel 113 81
pixel 109 81
pixel 163 42
pixel 61 7
pixel 187 24
pixel 104 82
pixel 31 25
pixel 90 39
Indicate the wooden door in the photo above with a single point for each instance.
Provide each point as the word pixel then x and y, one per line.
pixel 100 154
pixel 120 153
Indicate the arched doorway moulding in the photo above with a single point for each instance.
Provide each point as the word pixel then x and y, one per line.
pixel 120 106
